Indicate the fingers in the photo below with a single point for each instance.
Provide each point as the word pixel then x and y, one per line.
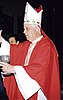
pixel 2 63
pixel 4 70
pixel 3 66
pixel 4 73
pixel 7 68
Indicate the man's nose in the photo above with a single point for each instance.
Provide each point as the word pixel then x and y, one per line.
pixel 25 32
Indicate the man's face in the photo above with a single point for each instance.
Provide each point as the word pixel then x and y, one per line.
pixel 30 32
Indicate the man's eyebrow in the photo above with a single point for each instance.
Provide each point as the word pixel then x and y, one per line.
pixel 27 28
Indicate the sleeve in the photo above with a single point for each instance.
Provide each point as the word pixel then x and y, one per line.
pixel 26 84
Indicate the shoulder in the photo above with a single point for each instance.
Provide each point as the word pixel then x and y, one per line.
pixel 20 45
pixel 47 43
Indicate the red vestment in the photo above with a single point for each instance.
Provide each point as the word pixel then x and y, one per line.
pixel 43 67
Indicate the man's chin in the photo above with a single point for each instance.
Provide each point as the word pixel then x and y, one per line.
pixel 29 40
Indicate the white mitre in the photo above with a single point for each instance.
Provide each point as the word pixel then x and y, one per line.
pixel 33 16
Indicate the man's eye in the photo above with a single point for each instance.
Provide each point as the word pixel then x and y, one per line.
pixel 27 29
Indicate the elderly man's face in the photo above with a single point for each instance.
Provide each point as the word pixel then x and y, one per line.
pixel 30 32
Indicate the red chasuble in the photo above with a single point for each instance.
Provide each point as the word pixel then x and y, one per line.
pixel 43 67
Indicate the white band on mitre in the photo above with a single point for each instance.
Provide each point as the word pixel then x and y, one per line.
pixel 33 16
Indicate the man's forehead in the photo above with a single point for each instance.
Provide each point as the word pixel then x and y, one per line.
pixel 29 25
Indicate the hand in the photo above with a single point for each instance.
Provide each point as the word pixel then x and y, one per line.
pixel 7 68
pixel 12 40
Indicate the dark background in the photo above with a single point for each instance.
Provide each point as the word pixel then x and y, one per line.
pixel 11 21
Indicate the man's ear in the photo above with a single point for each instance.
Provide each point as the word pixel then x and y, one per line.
pixel 37 29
